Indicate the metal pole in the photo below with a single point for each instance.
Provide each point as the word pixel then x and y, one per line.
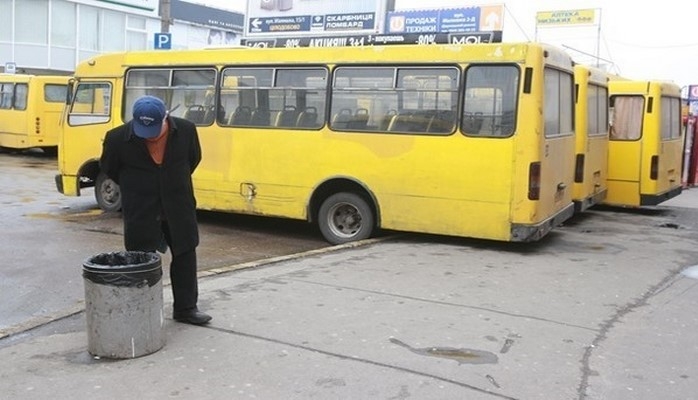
pixel 535 27
pixel 164 16
pixel 598 41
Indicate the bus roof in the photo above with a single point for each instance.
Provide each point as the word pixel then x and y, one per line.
pixel 27 78
pixel 114 64
pixel 645 87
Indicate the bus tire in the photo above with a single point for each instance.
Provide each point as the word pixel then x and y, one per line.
pixel 107 193
pixel 345 217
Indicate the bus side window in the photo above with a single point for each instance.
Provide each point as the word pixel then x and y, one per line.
pixel 6 93
pixel 489 100
pixel 626 117
pixel 21 93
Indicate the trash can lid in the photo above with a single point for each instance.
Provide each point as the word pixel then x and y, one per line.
pixel 123 262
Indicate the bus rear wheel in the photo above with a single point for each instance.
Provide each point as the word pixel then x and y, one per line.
pixel 107 193
pixel 345 217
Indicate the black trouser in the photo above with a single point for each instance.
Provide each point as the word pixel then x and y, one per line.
pixel 185 290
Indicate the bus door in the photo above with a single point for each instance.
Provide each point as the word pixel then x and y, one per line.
pixel 90 116
pixel 557 155
pixel 665 165
pixel 50 102
pixel 625 150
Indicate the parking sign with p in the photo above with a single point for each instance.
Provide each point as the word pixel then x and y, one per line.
pixel 163 41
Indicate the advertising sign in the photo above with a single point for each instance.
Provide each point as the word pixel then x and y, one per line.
pixel 693 99
pixel 566 17
pixel 693 92
pixel 470 19
pixel 296 17
pixel 370 40
pixel 207 16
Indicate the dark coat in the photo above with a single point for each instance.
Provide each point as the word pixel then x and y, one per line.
pixel 151 192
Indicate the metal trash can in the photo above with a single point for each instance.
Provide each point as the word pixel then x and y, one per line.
pixel 123 304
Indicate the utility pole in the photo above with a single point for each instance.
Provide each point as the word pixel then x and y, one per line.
pixel 598 40
pixel 165 20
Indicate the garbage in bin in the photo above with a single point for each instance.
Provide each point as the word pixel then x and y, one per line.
pixel 123 304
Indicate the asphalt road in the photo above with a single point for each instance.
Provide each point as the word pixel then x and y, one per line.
pixel 47 237
pixel 603 308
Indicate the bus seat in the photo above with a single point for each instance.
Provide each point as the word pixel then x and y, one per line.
pixel 400 123
pixel 209 115
pixel 195 113
pixel 385 120
pixel 359 120
pixel 287 117
pixel 241 116
pixel 441 122
pixel 341 119
pixel 472 122
pixel 307 118
pixel 420 121
pixel 260 117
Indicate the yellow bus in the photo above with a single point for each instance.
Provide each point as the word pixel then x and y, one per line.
pixel 30 110
pixel 591 129
pixel 645 143
pixel 461 140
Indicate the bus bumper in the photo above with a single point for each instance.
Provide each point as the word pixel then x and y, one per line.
pixel 596 198
pixel 67 185
pixel 654 199
pixel 532 233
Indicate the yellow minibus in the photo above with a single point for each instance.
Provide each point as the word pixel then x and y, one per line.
pixel 461 140
pixel 645 143
pixel 30 110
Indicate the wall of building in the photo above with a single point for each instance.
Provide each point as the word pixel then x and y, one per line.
pixel 52 36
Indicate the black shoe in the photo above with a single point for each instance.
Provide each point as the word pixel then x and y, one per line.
pixel 194 317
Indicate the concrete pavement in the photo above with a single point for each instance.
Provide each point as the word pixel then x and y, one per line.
pixel 602 308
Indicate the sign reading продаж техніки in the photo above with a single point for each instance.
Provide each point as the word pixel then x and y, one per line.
pixel 470 19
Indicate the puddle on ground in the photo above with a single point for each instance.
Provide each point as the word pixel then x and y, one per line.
pixel 89 213
pixel 691 272
pixel 462 356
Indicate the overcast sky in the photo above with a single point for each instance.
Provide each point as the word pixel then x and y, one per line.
pixel 639 40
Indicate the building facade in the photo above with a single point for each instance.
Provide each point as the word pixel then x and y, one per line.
pixel 52 36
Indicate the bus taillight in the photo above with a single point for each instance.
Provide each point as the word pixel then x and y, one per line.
pixel 579 168
pixel 534 181
pixel 654 168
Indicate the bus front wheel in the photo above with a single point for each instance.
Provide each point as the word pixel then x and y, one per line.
pixel 107 193
pixel 345 217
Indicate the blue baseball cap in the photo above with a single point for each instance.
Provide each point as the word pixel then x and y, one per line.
pixel 148 114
